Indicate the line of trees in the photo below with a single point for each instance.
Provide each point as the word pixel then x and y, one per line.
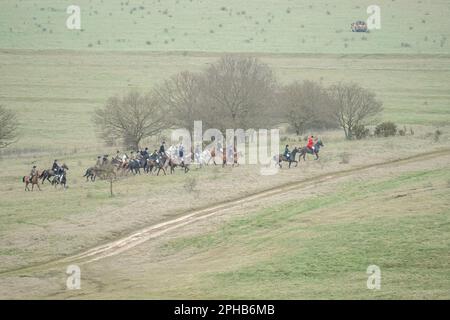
pixel 234 92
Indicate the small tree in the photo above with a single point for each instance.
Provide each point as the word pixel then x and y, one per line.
pixel 107 172
pixel 237 92
pixel 130 119
pixel 352 106
pixel 8 127
pixel 180 96
pixel 306 105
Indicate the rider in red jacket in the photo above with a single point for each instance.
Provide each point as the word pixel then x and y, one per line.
pixel 310 144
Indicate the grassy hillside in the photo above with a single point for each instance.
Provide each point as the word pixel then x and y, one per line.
pixel 227 25
pixel 320 248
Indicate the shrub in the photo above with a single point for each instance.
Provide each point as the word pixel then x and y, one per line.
pixel 437 135
pixel 345 158
pixel 386 129
pixel 360 132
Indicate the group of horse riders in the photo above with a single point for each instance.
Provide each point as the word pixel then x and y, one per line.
pixel 59 171
pixel 310 146
pixel 124 159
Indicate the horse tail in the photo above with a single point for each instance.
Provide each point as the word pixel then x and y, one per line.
pixel 23 179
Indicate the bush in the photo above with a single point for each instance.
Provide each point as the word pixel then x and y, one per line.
pixel 437 135
pixel 386 129
pixel 345 158
pixel 360 132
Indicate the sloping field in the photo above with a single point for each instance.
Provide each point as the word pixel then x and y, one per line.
pixel 282 26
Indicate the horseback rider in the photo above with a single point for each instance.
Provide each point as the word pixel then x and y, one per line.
pixel 117 157
pixel 145 153
pixel 98 163
pixel 230 155
pixel 181 152
pixel 287 153
pixel 55 166
pixel 61 173
pixel 162 148
pixel 310 144
pixel 105 160
pixel 33 173
pixel 132 156
pixel 197 153
pixel 154 156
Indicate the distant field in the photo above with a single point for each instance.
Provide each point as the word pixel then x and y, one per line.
pixel 282 26
pixel 55 92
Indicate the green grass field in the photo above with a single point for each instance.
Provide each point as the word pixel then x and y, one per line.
pixel 282 26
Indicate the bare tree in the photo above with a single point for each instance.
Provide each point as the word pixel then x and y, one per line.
pixel 108 173
pixel 353 106
pixel 180 96
pixel 306 105
pixel 237 92
pixel 130 119
pixel 8 127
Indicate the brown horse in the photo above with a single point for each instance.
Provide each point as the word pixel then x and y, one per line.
pixel 173 163
pixel 224 157
pixel 33 181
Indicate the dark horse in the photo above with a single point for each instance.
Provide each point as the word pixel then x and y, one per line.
pixel 306 150
pixel 136 165
pixel 91 173
pixel 46 175
pixel 291 158
pixel 173 163
pixel 33 181
pixel 160 163
pixel 60 178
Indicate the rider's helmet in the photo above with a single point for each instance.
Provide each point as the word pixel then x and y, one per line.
pixel 34 167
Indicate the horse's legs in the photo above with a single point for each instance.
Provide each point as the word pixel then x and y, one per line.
pixel 38 186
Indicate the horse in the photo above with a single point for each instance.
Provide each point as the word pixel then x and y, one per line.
pixel 34 181
pixel 160 163
pixel 91 173
pixel 136 165
pixel 60 178
pixel 224 157
pixel 176 162
pixel 306 150
pixel 46 175
pixel 282 157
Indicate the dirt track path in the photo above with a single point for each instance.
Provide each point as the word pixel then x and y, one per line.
pixel 138 237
